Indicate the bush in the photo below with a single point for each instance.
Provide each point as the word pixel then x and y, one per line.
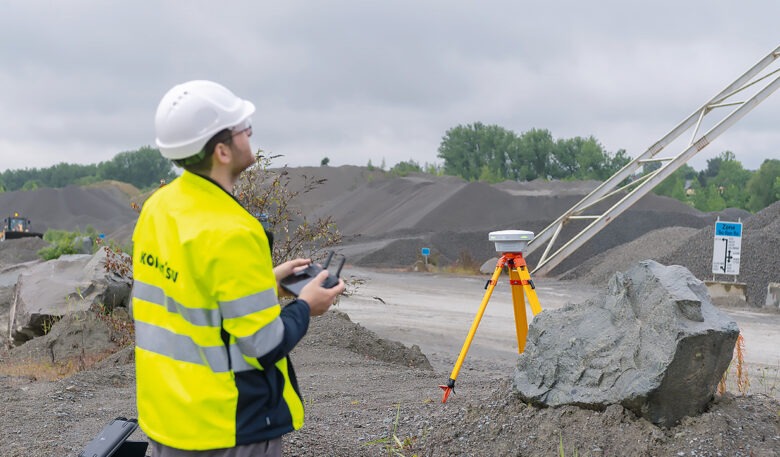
pixel 61 243
pixel 269 195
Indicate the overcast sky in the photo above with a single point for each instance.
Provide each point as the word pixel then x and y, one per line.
pixel 380 80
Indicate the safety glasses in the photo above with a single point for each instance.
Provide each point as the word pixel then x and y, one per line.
pixel 245 126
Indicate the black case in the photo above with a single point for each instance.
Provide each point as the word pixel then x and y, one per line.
pixel 112 441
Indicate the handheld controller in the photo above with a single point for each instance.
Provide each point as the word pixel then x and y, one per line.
pixel 296 281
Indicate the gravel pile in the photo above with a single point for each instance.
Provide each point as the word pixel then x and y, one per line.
pixel 658 243
pixel 20 250
pixel 71 208
pixel 454 217
pixel 691 248
pixel 760 260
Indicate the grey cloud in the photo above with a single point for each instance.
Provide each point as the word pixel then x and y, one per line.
pixel 353 79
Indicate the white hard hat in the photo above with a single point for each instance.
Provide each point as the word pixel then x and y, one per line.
pixel 193 112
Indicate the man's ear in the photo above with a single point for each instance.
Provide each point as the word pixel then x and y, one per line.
pixel 222 153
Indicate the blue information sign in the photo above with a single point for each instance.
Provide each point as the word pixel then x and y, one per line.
pixel 426 251
pixel 727 249
pixel 728 229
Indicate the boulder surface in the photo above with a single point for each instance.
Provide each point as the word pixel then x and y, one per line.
pixel 654 343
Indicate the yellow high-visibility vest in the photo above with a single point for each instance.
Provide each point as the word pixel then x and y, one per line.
pixel 205 308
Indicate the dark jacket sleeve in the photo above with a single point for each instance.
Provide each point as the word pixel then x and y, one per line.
pixel 295 317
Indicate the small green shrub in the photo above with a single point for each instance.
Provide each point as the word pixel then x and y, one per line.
pixel 62 242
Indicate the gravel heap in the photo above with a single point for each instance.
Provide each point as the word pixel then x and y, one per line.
pixel 599 268
pixel 454 217
pixel 104 208
pixel 760 260
pixel 20 250
pixel 759 263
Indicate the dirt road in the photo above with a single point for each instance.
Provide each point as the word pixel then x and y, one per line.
pixel 436 311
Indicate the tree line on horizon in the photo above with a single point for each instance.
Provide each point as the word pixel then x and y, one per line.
pixel 143 168
pixel 491 153
pixel 475 152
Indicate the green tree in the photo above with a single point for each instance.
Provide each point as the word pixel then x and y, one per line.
pixel 466 149
pixel 777 188
pixel 31 185
pixel 763 186
pixel 142 168
pixel 432 169
pixel 584 158
pixel 488 175
pixel 731 182
pixel 404 168
pixel 616 162
pixel 533 157
pixel 324 162
pixel 674 185
pixel 708 199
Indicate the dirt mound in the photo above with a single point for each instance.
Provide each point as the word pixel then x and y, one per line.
pixel 691 248
pixel 71 208
pixel 445 213
pixel 388 206
pixel 338 181
pixel 365 396
pixel 453 218
pixel 128 189
pixel 760 258
pixel 651 212
pixel 21 250
pixel 503 425
pixel 334 328
pixel 540 187
pixel 652 245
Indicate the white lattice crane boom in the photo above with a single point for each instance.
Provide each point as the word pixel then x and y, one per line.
pixel 760 77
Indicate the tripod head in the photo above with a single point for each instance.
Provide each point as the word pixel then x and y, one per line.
pixel 511 241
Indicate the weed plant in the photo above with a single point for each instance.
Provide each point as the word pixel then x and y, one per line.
pixel 392 444
pixel 269 195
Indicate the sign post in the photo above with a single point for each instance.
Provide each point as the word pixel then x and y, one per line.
pixel 425 252
pixel 727 248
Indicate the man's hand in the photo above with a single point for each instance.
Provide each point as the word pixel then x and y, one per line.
pixel 286 269
pixel 291 266
pixel 318 297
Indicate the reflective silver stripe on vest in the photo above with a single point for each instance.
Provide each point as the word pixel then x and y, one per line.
pixel 237 358
pixel 195 316
pixel 248 305
pixel 180 347
pixel 263 340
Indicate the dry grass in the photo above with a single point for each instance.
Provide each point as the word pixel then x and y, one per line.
pixel 37 370
pixel 464 265
pixel 737 379
pixel 128 189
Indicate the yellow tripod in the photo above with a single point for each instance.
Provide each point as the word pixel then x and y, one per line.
pixel 522 284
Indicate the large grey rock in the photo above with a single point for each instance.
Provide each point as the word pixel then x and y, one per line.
pixel 489 266
pixel 9 275
pixel 70 284
pixel 654 344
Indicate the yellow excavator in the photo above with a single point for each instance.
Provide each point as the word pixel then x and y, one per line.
pixel 16 226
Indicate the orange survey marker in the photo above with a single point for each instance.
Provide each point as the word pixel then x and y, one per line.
pixel 522 284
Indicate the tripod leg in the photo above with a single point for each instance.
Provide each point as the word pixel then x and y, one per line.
pixel 518 301
pixel 530 290
pixel 450 386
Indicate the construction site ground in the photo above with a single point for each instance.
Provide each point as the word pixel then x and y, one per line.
pixel 363 398
pixel 367 386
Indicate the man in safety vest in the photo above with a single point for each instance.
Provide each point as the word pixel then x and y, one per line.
pixel 212 342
